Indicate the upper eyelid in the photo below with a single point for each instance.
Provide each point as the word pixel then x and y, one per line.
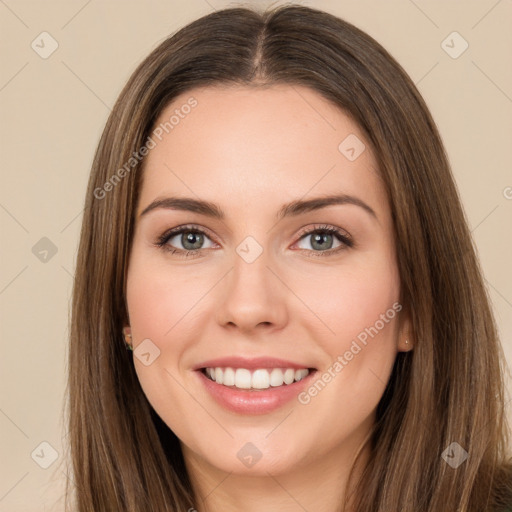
pixel 186 227
pixel 322 227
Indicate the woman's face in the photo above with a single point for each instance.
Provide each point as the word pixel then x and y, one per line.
pixel 264 291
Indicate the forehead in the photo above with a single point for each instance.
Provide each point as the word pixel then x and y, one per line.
pixel 261 146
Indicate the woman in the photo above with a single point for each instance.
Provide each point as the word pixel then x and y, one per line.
pixel 273 229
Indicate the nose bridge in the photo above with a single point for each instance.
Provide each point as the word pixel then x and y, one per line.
pixel 250 274
pixel 253 295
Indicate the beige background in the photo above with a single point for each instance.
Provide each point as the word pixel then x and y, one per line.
pixel 53 111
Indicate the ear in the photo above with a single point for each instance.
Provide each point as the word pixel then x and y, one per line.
pixel 127 333
pixel 406 339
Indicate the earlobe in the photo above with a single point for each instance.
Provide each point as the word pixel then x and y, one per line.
pixel 406 338
pixel 127 333
pixel 405 342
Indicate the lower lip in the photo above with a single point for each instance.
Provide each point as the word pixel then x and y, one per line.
pixel 254 401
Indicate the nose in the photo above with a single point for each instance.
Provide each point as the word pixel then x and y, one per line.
pixel 253 296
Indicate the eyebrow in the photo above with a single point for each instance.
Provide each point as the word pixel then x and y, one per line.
pixel 292 209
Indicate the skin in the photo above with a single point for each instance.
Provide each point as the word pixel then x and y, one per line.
pixel 251 150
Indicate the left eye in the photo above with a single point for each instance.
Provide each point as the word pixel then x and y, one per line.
pixel 322 239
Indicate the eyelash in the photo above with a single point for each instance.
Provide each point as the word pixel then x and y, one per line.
pixel 161 242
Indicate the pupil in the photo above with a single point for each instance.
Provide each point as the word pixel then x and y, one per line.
pixel 193 238
pixel 318 238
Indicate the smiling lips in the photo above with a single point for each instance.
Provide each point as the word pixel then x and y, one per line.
pixel 253 386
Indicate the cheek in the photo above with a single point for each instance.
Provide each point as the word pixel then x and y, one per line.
pixel 160 298
pixel 353 299
pixel 355 324
pixel 159 305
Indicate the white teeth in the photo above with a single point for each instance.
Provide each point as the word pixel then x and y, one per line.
pixel 289 376
pixel 300 374
pixel 261 378
pixel 276 377
pixel 229 377
pixel 242 378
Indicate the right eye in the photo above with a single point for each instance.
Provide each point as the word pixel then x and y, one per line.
pixel 191 239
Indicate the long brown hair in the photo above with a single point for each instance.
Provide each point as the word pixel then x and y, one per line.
pixel 449 389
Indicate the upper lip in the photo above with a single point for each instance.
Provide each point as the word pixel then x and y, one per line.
pixel 250 363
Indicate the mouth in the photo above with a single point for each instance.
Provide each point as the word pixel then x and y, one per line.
pixel 257 379
pixel 264 387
